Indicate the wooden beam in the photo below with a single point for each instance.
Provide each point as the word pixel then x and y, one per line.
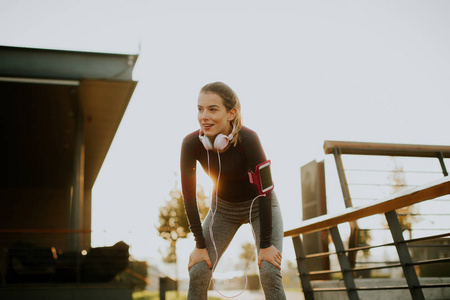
pixel 398 200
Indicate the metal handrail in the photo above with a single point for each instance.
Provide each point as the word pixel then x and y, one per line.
pixel 398 200
pixel 387 206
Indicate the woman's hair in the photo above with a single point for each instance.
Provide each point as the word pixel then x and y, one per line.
pixel 230 101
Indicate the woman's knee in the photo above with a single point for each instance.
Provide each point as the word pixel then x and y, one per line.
pixel 271 281
pixel 269 273
pixel 200 272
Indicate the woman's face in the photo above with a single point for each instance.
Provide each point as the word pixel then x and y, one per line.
pixel 213 116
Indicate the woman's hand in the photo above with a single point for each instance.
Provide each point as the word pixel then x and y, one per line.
pixel 197 256
pixel 271 254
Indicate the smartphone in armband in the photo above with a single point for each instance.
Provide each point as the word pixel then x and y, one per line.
pixel 262 178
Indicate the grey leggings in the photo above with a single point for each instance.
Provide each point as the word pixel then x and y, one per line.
pixel 228 218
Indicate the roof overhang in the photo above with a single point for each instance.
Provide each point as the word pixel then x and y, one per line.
pixel 101 83
pixel 65 65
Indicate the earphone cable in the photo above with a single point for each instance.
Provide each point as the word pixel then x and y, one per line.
pixel 212 234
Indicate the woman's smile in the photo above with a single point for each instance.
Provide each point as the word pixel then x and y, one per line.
pixel 207 127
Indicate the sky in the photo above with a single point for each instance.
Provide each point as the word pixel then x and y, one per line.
pixel 305 72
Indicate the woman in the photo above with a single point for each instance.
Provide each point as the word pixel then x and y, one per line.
pixel 227 151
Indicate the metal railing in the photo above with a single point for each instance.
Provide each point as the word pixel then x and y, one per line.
pixel 387 206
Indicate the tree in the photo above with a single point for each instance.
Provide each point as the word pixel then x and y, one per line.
pixel 290 275
pixel 406 215
pixel 364 238
pixel 248 249
pixel 173 222
pixel 247 252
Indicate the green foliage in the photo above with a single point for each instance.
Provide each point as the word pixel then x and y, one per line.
pixel 407 215
pixel 364 238
pixel 247 251
pixel 173 222
pixel 289 272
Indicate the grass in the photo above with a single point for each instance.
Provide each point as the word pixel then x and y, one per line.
pixel 154 295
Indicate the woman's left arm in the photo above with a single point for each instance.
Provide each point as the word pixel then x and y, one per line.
pixel 255 155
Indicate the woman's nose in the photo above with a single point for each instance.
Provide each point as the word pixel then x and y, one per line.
pixel 203 115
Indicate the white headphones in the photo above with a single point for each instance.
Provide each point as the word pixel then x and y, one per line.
pixel 220 143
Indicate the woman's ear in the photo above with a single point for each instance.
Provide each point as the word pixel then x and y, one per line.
pixel 232 114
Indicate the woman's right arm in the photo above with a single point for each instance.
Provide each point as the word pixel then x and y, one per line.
pixel 188 165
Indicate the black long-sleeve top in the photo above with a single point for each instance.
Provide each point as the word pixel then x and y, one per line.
pixel 234 184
